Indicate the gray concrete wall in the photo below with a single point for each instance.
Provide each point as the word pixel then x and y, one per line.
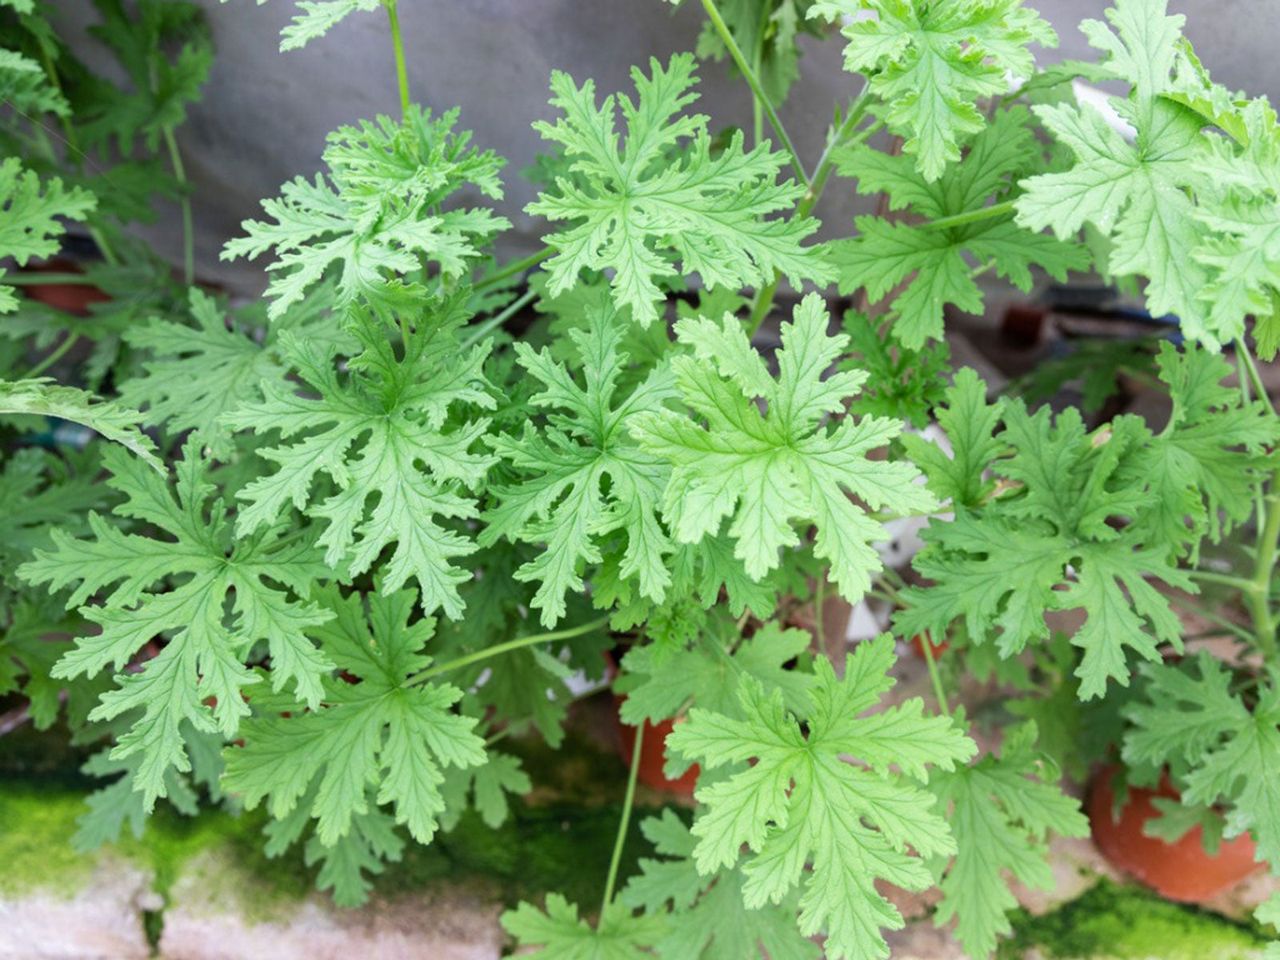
pixel 265 114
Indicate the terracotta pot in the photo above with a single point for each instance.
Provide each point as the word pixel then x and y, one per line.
pixel 653 755
pixel 73 298
pixel 1180 871
pixel 937 649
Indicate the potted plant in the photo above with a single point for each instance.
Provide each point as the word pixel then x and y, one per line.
pixel 398 509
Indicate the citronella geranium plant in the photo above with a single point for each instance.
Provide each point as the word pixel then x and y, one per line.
pixel 386 529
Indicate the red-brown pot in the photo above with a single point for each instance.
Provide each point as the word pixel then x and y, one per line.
pixel 73 298
pixel 653 755
pixel 937 649
pixel 1180 871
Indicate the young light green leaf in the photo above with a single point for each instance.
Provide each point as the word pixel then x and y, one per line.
pixel 378 214
pixel 664 196
pixel 930 64
pixel 801 800
pixel 771 469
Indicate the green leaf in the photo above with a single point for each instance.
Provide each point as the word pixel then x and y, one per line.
pixel 388 428
pixel 211 596
pixel 378 214
pixel 377 730
pixel 1138 194
pixel 930 64
pixel 664 196
pixel 769 470
pixel 26 88
pixel 42 397
pixel 1068 530
pixel 581 476
pixel 199 374
pixel 901 384
pixel 657 686
pixel 314 18
pixel 970 423
pixel 560 935
pixel 801 800
pixel 488 785
pixel 164 49
pixel 940 263
pixel 31 225
pixel 1229 749
pixel 708 919
pixel 1002 812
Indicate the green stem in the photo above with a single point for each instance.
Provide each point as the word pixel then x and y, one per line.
pixel 1259 600
pixel 36 278
pixel 498 649
pixel 826 163
pixel 926 644
pixel 753 81
pixel 621 839
pixel 67 343
pixel 1251 372
pixel 1204 613
pixel 188 230
pixel 819 601
pixel 482 330
pixel 757 63
pixel 1226 580
pixel 511 269
pixel 970 216
pixel 402 72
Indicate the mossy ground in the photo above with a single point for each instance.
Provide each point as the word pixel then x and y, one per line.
pixel 1112 922
pixel 561 840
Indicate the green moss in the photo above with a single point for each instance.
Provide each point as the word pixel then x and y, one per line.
pixel 35 842
pixel 1129 923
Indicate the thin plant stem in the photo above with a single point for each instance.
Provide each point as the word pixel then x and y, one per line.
pixel 926 644
pixel 970 216
pixel 819 601
pixel 845 136
pixel 483 329
pixel 498 649
pixel 69 341
pixel 37 278
pixel 397 41
pixel 69 136
pixel 516 267
pixel 1224 579
pixel 1215 618
pixel 753 81
pixel 1252 374
pixel 188 228
pixel 624 823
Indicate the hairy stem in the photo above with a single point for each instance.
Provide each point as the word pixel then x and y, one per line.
pixel 514 268
pixel 624 823
pixel 819 602
pixel 500 648
pixel 926 644
pixel 1259 599
pixel 753 81
pixel 483 329
pixel 970 216
pixel 188 229
pixel 37 278
pixel 844 136
pixel 402 72
pixel 69 341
